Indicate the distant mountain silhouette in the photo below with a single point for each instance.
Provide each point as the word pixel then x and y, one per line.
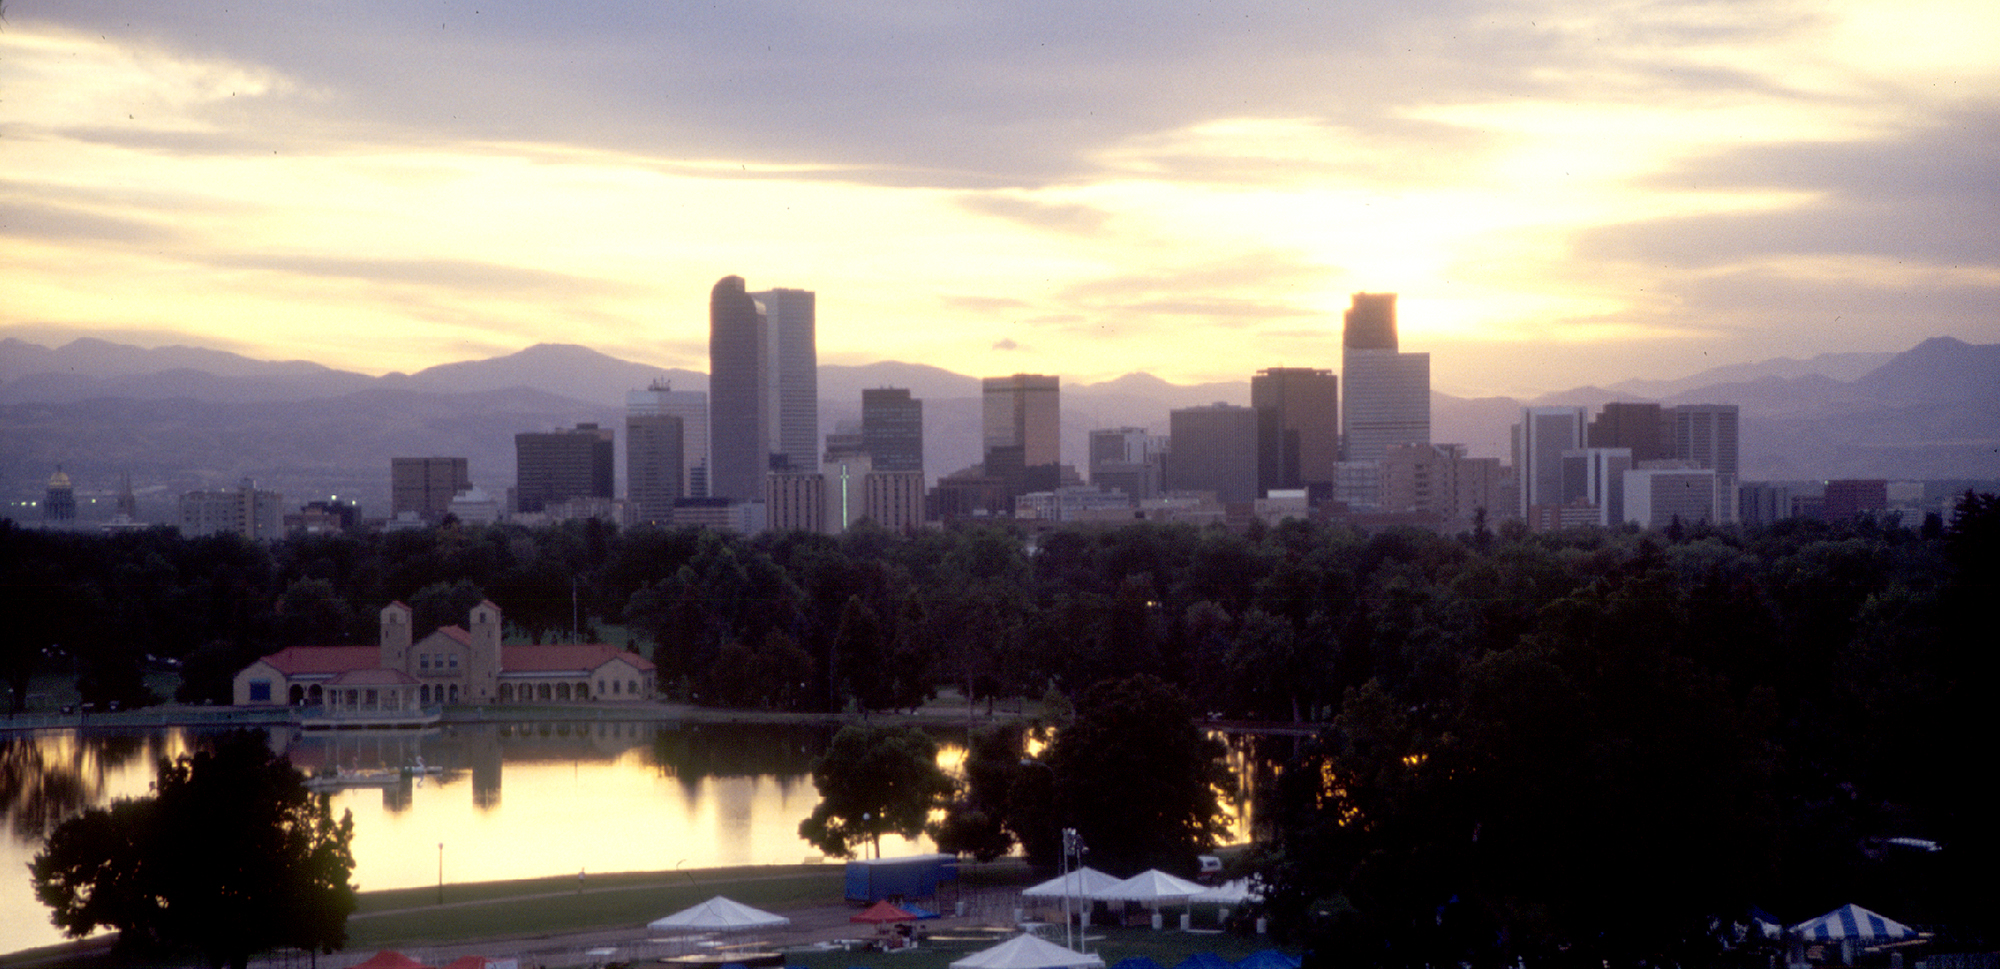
pixel 183 417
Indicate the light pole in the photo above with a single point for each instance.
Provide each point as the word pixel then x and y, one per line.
pixel 440 873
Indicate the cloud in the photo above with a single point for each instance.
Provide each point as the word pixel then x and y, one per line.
pixel 1006 344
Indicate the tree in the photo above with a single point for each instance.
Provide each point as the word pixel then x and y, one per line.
pixel 231 856
pixel 1138 779
pixel 873 780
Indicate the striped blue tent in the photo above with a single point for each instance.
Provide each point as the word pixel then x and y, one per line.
pixel 1851 922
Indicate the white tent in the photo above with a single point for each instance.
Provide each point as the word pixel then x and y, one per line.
pixel 1081 883
pixel 718 914
pixel 1149 886
pixel 1227 893
pixel 1024 951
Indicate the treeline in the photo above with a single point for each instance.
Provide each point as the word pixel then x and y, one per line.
pixel 1542 738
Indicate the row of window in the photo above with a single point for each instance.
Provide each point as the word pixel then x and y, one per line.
pixel 260 692
pixel 437 661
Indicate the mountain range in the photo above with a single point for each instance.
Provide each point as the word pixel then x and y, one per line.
pixel 177 418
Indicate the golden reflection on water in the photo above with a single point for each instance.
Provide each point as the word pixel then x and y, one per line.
pixel 512 801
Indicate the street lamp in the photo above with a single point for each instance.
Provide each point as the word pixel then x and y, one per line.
pixel 1072 847
pixel 440 873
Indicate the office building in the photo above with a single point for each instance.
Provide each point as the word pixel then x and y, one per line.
pixel 557 466
pixel 655 465
pixel 1126 460
pixel 1544 435
pixel 1657 497
pixel 244 511
pixel 1644 429
pixel 426 486
pixel 763 386
pixel 1846 499
pixel 1214 450
pixel 1024 412
pixel 1441 479
pixel 1706 435
pixel 1386 393
pixel 791 378
pixel 691 406
pixel 795 501
pixel 1595 476
pixel 1298 429
pixel 894 499
pixel 892 430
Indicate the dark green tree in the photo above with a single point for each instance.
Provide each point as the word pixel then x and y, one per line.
pixel 1138 779
pixel 230 857
pixel 874 780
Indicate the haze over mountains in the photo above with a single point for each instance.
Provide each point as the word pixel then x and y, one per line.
pixel 177 418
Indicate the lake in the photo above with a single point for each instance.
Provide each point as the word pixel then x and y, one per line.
pixel 512 800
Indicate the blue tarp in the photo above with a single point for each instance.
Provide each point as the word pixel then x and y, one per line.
pixel 1136 962
pixel 1205 960
pixel 1267 959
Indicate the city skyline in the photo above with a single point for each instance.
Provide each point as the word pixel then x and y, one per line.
pixel 1602 192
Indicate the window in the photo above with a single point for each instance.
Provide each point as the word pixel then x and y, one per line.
pixel 423 661
pixel 454 661
pixel 454 693
pixel 260 691
pixel 371 698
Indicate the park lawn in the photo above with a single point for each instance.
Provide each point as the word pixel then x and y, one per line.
pixel 542 906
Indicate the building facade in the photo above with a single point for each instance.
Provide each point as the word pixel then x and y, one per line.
pixel 452 665
pixel 1128 460
pixel 245 511
pixel 1298 430
pixel 1544 435
pixel 1657 497
pixel 555 466
pixel 1215 450
pixel 892 430
pixel 1441 479
pixel 1023 412
pixel 426 486
pixel 1386 393
pixel 691 406
pixel 738 420
pixel 655 465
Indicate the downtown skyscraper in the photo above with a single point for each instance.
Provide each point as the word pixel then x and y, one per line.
pixel 1387 393
pixel 763 388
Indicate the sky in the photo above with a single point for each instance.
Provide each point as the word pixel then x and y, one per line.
pixel 1562 192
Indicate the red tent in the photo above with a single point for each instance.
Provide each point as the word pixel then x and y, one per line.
pixel 882 913
pixel 390 959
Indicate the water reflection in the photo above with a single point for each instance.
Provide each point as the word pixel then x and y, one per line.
pixel 512 800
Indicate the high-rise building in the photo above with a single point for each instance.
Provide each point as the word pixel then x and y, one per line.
pixel 1645 429
pixel 1024 411
pixel 1847 499
pixel 1214 449
pixel 1127 460
pixel 1298 428
pixel 1595 476
pixel 557 466
pixel 1540 440
pixel 425 486
pixel 763 386
pixel 655 459
pixel 691 406
pixel 791 378
pixel 1387 393
pixel 892 429
pixel 1705 435
pixel 738 422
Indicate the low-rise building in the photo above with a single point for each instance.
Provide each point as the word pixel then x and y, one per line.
pixel 451 665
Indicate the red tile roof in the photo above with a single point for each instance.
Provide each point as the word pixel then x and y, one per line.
pixel 306 660
pixel 582 657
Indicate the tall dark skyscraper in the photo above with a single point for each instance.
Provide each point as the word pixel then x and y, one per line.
pixel 736 413
pixel 655 464
pixel 892 429
pixel 763 386
pixel 426 486
pixel 1387 392
pixel 1644 428
pixel 1214 449
pixel 1298 428
pixel 559 465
